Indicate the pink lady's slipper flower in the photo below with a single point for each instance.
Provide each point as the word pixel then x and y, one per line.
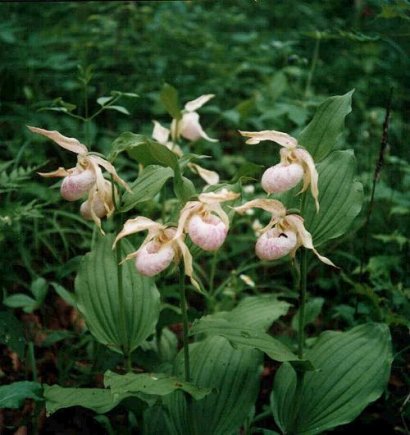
pixel 159 248
pixel 295 163
pixel 85 178
pixel 161 135
pixel 188 126
pixel 283 235
pixel 205 221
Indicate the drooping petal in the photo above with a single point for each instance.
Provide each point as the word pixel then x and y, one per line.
pixel 208 232
pixel 60 172
pixel 281 177
pixel 305 238
pixel 193 105
pixel 274 244
pixel 109 168
pixel 311 175
pixel 187 259
pixel 210 177
pixel 217 197
pixel 67 143
pixel 282 139
pixel 138 224
pixel 190 128
pixel 160 133
pixel 273 206
pixel 90 207
pixel 90 210
pixel 99 203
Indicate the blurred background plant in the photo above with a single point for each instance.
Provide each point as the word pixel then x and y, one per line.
pixel 269 68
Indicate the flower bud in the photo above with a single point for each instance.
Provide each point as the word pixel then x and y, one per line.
pixel 208 232
pixel 190 127
pixel 98 208
pixel 77 184
pixel 153 258
pixel 281 177
pixel 274 244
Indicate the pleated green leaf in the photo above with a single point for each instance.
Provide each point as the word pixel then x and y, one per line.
pixel 241 335
pixel 97 399
pixel 233 374
pixel 170 99
pixel 157 384
pixel 352 371
pixel 320 135
pixel 122 328
pixel 256 312
pixel 14 395
pixel 148 184
pixel 340 198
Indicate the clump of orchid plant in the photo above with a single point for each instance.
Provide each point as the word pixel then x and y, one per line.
pixel 295 164
pixel 85 178
pixel 205 221
pixel 283 235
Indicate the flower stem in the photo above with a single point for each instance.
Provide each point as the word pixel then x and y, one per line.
pixel 32 359
pixel 121 304
pixel 184 321
pixel 302 303
pixel 315 59
pixel 300 373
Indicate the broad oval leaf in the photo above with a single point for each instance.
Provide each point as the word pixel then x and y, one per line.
pixel 232 373
pixel 153 153
pixel 97 399
pixel 148 184
pixel 13 395
pixel 157 384
pixel 313 307
pixel 244 336
pixel 20 300
pixel 320 135
pixel 122 328
pixel 124 142
pixel 169 98
pixel 340 198
pixel 352 371
pixel 144 150
pixel 184 188
pixel 256 312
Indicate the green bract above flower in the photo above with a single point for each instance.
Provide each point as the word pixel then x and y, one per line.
pixel 85 178
pixel 283 235
pixel 295 163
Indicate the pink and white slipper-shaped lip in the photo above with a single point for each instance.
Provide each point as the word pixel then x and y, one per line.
pixel 76 185
pixel 208 233
pixel 274 244
pixel 153 258
pixel 281 177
